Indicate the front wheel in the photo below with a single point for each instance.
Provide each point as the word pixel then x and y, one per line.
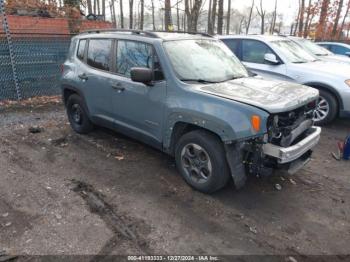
pixel 201 160
pixel 326 108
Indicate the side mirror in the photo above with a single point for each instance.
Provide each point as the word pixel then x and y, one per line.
pixel 141 75
pixel 271 58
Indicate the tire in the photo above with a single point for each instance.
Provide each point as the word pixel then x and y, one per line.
pixel 191 153
pixel 326 108
pixel 75 106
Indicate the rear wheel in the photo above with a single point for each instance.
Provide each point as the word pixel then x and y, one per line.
pixel 201 160
pixel 77 115
pixel 326 108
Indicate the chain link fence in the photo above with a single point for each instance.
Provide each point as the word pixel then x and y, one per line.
pixel 32 50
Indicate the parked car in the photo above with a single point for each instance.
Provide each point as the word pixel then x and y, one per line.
pixel 278 57
pixel 189 96
pixel 319 51
pixel 336 48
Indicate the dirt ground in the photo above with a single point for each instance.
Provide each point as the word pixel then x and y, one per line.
pixel 64 193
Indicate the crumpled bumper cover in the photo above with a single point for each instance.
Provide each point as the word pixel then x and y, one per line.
pixel 291 153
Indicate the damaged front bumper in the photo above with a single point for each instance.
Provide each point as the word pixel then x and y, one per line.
pixel 289 154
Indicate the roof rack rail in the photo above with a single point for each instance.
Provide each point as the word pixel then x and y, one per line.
pixel 132 31
pixel 183 32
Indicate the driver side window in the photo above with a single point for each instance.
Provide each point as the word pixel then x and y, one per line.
pixel 254 51
pixel 133 54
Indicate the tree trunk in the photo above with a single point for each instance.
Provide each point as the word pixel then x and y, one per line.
pixel 104 9
pixel 262 14
pixel 336 20
pixel 167 15
pixel 273 24
pixel 178 16
pixel 153 18
pixel 249 18
pixel 131 14
pixel 98 7
pixel 209 28
pixel 228 18
pixel 121 14
pixel 95 5
pixel 192 9
pixel 301 18
pixel 213 17
pixel 142 3
pixel 220 16
pixel 343 22
pixel 306 32
pixel 323 19
pixel 89 4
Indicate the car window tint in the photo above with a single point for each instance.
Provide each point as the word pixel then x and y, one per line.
pixel 81 49
pixel 232 44
pixel 133 54
pixel 99 53
pixel 254 51
pixel 339 49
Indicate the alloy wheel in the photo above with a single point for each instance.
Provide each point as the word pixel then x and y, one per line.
pixel 196 163
pixel 322 109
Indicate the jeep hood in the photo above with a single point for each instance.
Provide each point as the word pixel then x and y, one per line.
pixel 269 95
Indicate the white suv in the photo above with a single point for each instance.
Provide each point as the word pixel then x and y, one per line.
pixel 280 58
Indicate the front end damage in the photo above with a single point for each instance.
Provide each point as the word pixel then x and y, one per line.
pixel 287 145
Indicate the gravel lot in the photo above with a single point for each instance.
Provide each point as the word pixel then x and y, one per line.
pixel 63 193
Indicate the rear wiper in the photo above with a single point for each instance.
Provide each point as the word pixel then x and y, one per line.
pixel 199 81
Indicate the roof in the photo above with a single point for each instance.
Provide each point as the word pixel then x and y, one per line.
pixel 267 38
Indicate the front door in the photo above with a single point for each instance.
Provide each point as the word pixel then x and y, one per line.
pixel 138 107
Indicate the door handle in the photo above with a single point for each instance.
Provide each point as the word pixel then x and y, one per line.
pixel 83 76
pixel 118 87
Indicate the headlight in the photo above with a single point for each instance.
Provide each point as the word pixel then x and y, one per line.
pixel 347 82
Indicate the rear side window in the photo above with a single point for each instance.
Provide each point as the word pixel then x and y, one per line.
pixel 133 54
pixel 232 44
pixel 254 51
pixel 339 49
pixel 81 49
pixel 99 53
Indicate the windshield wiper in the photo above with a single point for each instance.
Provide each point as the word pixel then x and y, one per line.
pixel 199 81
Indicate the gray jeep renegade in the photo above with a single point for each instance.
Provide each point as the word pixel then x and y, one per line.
pixel 189 96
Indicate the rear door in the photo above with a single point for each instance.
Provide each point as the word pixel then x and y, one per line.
pixel 253 57
pixel 138 107
pixel 95 77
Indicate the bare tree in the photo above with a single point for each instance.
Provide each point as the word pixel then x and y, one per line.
pixel 167 15
pixel 192 10
pixel 177 16
pixel 153 18
pixel 89 4
pixel 249 18
pixel 337 17
pixel 142 3
pixel 121 14
pixel 323 19
pixel 209 27
pixel 301 18
pixel 262 13
pixel 104 9
pixel 308 12
pixel 220 16
pixel 343 22
pixel 228 18
pixel 131 16
pixel 274 16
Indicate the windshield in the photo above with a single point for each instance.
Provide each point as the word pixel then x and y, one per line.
pixel 313 48
pixel 293 52
pixel 204 60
